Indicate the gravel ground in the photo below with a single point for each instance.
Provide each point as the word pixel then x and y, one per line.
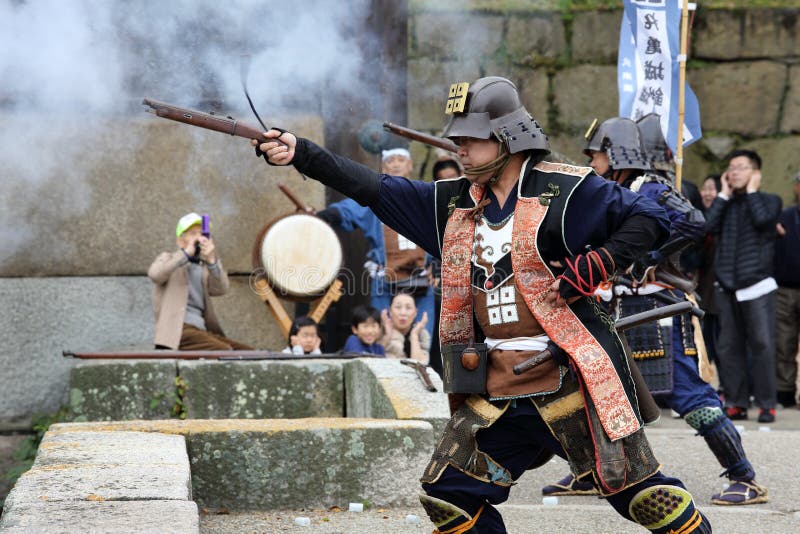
pixel 333 521
pixel 683 454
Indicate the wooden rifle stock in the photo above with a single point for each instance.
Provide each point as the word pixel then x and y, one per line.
pixel 416 135
pixel 209 121
pixel 422 372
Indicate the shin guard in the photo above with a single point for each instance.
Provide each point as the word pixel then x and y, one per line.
pixel 724 441
pixel 667 509
pixel 448 518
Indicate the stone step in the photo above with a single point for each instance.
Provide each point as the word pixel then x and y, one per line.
pixel 263 389
pixel 123 390
pixel 123 517
pixel 282 463
pixel 79 474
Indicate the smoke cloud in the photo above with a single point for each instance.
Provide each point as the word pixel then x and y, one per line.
pixel 68 66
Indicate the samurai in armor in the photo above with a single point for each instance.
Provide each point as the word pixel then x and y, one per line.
pixel 666 354
pixel 523 243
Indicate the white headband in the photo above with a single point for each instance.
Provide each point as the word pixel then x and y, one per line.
pixel 386 154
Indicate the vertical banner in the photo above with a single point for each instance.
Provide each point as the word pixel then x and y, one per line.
pixel 648 68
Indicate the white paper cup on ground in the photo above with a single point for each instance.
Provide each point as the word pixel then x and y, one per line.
pixel 302 521
pixel 356 507
pixel 550 500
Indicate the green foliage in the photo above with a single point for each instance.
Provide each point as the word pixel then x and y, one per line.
pixel 179 407
pixel 175 396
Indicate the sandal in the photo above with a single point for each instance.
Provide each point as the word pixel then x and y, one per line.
pixel 569 485
pixel 741 492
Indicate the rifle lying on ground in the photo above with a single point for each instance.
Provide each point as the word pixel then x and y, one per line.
pixel 422 137
pixel 209 121
pixel 222 355
pixel 422 373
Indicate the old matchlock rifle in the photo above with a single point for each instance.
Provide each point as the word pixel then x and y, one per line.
pixel 209 121
pixel 231 126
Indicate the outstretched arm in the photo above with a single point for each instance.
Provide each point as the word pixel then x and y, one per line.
pixel 407 206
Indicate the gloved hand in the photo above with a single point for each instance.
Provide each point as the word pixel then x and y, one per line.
pixel 260 153
pixel 641 272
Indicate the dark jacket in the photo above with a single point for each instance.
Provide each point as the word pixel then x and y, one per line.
pixel 787 249
pixel 744 227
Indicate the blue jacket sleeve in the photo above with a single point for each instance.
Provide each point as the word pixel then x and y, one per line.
pixel 408 206
pixel 602 213
pixel 353 215
pixel 599 207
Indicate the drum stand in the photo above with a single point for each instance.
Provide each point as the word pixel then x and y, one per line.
pixel 317 308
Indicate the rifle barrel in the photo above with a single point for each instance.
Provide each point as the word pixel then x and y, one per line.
pixel 656 314
pixel 209 121
pixel 422 137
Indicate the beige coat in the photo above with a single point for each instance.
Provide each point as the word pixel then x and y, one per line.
pixel 170 278
pixel 394 347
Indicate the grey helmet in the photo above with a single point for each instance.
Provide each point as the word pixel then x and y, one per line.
pixel 491 106
pixel 655 146
pixel 619 138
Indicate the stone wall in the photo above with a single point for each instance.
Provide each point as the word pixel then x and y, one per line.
pixel 742 67
pixel 73 265
pixel 41 317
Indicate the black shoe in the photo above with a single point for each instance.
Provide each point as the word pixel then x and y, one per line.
pixel 766 416
pixel 736 413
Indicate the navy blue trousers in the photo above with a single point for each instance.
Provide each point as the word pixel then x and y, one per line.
pixel 515 441
pixel 689 391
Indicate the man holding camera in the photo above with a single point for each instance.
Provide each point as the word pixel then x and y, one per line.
pixel 183 282
pixel 743 221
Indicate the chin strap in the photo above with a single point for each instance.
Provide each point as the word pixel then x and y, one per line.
pixel 496 166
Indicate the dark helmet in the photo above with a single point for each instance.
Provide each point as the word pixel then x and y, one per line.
pixel 619 138
pixel 655 146
pixel 491 106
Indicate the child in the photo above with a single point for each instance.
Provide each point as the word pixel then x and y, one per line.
pixel 303 337
pixel 366 327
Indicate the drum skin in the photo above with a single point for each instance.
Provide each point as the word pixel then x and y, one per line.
pixel 299 255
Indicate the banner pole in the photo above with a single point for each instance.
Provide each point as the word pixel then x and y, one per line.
pixel 681 92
